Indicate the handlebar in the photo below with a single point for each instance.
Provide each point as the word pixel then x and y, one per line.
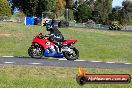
pixel 43 36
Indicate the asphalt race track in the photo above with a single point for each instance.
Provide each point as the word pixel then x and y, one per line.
pixel 63 63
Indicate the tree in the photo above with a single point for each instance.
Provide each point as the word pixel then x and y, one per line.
pixel 34 7
pixel 126 12
pixel 5 9
pixel 11 5
pixel 75 5
pixel 80 2
pixel 69 10
pixel 104 8
pixel 114 16
pixel 83 13
pixel 122 14
pixel 45 6
pixel 69 4
pixel 59 7
pixel 127 5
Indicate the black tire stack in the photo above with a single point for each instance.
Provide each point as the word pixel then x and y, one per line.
pixel 63 24
pixel 114 27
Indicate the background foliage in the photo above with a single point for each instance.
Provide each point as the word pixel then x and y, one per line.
pixel 100 11
pixel 5 9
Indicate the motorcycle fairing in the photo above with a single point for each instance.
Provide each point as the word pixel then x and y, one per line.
pixel 52 53
pixel 69 42
pixel 43 42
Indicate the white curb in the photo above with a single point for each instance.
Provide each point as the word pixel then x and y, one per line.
pixel 7 56
pixel 127 63
pixel 9 62
pixel 62 59
pixel 109 62
pixel 79 60
pixel 95 61
pixel 35 63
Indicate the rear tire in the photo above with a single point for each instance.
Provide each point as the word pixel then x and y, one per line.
pixel 71 56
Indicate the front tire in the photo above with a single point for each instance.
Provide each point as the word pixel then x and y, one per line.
pixel 35 52
pixel 73 56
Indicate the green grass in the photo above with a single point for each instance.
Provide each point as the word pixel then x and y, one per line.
pixel 104 45
pixel 101 45
pixel 12 76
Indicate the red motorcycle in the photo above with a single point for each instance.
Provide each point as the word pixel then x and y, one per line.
pixel 43 46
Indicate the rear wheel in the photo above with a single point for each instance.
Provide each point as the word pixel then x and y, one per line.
pixel 71 56
pixel 35 52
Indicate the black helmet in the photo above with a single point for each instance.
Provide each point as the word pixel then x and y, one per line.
pixel 49 27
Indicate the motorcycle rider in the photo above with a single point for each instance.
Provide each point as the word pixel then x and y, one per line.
pixel 55 35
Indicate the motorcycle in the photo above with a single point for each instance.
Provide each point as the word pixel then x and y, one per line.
pixel 42 46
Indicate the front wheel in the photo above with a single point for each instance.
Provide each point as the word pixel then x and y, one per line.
pixel 35 52
pixel 71 56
